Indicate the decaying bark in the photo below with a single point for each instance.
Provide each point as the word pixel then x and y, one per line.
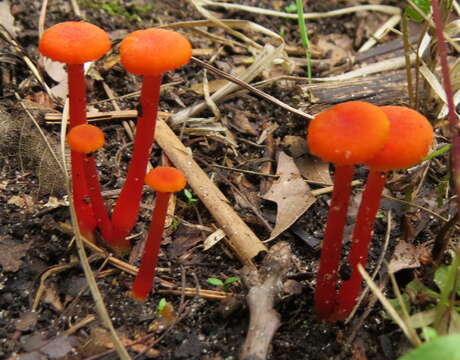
pixel 383 89
pixel 265 286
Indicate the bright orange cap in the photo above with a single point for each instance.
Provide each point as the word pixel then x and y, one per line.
pixel 74 42
pixel 165 179
pixel 85 138
pixel 411 135
pixel 154 51
pixel 348 133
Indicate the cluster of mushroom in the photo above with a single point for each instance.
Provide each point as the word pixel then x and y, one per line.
pixel 150 53
pixel 383 138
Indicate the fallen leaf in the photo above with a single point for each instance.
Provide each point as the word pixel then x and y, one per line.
pixel 27 321
pixel 213 239
pixel 52 298
pixel 290 192
pixel 11 253
pixel 59 347
pixel 24 201
pixel 102 337
pixel 405 256
pixel 310 167
pixel 335 46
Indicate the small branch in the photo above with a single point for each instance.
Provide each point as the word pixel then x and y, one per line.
pixel 265 288
pixel 239 236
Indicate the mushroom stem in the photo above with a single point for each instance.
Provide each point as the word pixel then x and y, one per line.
pixel 127 206
pixel 100 212
pixel 77 112
pixel 144 279
pixel 361 238
pixel 326 283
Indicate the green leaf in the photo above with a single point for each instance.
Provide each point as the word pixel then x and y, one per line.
pixel 188 194
pixel 423 5
pixel 441 276
pixel 215 282
pixel 422 319
pixel 397 305
pixel 442 347
pixel 230 280
pixel 161 305
pixel 429 333
pixel 417 287
pixel 291 8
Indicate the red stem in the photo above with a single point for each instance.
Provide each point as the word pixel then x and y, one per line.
pixel 100 212
pixel 452 116
pixel 77 112
pixel 326 281
pixel 144 279
pixel 362 233
pixel 127 206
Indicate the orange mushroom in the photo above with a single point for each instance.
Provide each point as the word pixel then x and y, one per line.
pixel 164 180
pixel 346 134
pixel 410 138
pixel 73 43
pixel 149 53
pixel 86 139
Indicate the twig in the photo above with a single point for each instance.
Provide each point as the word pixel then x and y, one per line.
pixel 239 236
pixel 265 289
pixel 252 89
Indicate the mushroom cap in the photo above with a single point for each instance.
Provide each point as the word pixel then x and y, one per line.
pixel 348 133
pixel 74 42
pixel 154 51
pixel 165 179
pixel 410 138
pixel 85 138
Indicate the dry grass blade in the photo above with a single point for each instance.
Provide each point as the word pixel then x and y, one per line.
pixel 262 62
pixel 409 332
pixel 97 297
pixel 391 10
pixel 380 32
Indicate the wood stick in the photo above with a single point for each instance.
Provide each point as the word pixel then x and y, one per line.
pixel 239 236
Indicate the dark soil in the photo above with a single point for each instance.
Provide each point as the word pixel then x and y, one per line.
pixel 34 240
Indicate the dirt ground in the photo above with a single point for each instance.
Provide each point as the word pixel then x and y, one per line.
pixel 37 255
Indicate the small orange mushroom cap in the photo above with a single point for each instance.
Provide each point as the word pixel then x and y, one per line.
pixel 85 138
pixel 348 133
pixel 154 51
pixel 411 136
pixel 74 42
pixel 165 179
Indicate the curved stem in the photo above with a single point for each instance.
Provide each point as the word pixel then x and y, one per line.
pixel 127 206
pixel 326 281
pixel 100 212
pixel 77 112
pixel 362 233
pixel 144 279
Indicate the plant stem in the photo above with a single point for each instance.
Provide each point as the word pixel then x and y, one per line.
pixel 127 206
pixel 77 114
pixel 304 37
pixel 362 233
pixel 326 281
pixel 410 86
pixel 455 138
pixel 144 279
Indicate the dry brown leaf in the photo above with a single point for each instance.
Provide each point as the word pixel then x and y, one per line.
pixel 11 253
pixel 290 192
pixel 335 46
pixel 405 256
pixel 24 201
pixel 311 168
pixel 102 337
